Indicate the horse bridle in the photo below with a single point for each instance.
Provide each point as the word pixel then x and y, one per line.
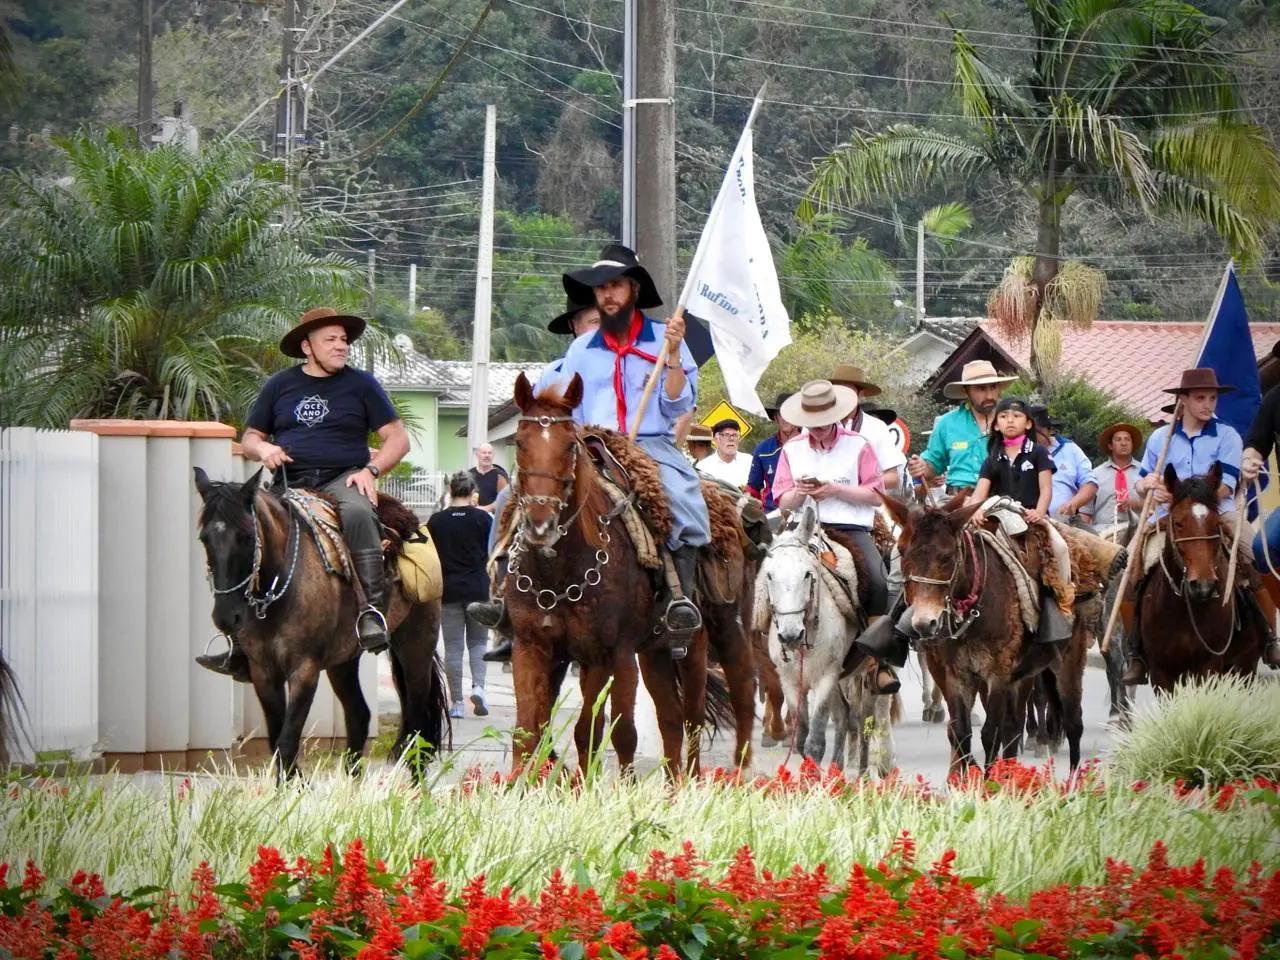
pixel 1179 589
pixel 260 603
pixel 566 481
pixel 813 582
pixel 959 613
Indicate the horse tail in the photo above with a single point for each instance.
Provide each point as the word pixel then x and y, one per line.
pixel 13 727
pixel 439 729
pixel 719 706
pixel 895 710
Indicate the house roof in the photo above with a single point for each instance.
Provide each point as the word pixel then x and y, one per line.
pixel 1133 360
pixel 951 329
pixel 451 379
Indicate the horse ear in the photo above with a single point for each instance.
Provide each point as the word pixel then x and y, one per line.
pixel 900 511
pixel 1215 474
pixel 959 518
pixel 573 393
pixel 808 519
pixel 1170 477
pixel 523 394
pixel 957 501
pixel 250 486
pixel 203 483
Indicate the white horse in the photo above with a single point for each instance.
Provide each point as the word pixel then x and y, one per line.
pixel 808 638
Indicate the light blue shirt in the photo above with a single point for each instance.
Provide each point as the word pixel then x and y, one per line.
pixel 1218 442
pixel 1072 471
pixel 590 358
pixel 550 376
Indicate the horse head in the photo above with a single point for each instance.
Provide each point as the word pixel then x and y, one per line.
pixel 933 546
pixel 229 534
pixel 1195 530
pixel 790 581
pixel 547 462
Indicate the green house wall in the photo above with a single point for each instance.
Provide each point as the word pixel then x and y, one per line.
pixel 452 449
pixel 424 432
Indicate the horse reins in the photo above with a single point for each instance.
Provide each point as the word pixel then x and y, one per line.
pixel 260 603
pixel 1179 589
pixel 959 613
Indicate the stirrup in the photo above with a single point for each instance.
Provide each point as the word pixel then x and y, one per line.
pixel 1135 672
pixel 372 642
pixel 887 688
pixel 1271 654
pixel 682 618
pixel 489 614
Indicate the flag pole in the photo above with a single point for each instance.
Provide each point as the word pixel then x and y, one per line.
pixel 1241 523
pixel 698 254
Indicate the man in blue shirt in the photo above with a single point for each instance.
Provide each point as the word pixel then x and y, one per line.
pixel 1199 441
pixel 1071 466
pixel 764 459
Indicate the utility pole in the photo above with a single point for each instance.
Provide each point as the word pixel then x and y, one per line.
pixel 654 172
pixel 370 265
pixel 146 88
pixel 478 410
pixel 919 272
pixel 628 234
pixel 413 289
pixel 286 110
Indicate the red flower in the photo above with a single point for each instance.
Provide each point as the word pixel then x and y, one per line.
pixel 32 878
pixel 263 873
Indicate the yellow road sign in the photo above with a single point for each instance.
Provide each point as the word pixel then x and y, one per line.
pixel 724 410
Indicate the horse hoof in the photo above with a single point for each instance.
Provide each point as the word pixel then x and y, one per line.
pixel 932 715
pixel 767 741
pixel 1042 750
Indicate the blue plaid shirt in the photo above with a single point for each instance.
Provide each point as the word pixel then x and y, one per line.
pixel 1218 442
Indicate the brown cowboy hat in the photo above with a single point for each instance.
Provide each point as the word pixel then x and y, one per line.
pixel 699 433
pixel 291 342
pixel 976 373
pixel 1199 378
pixel 564 322
pixel 1104 438
pixel 615 261
pixel 819 403
pixel 847 375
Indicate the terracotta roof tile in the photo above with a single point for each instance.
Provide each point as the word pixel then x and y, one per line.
pixel 1133 360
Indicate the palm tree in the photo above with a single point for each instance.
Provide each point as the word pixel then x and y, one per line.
pixel 1125 101
pixel 150 283
pixel 822 276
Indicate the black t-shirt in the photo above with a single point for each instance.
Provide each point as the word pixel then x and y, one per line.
pixel 1266 424
pixel 1018 479
pixel 462 541
pixel 323 423
pixel 487 483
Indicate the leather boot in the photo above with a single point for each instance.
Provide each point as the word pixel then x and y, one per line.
pixel 371 623
pixel 1055 626
pixel 1135 665
pixel 886 639
pixel 683 619
pixel 492 615
pixel 234 663
pixel 1267 614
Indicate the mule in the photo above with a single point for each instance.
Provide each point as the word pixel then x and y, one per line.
pixel 576 590
pixel 294 619
pixel 966 612
pixel 1189 631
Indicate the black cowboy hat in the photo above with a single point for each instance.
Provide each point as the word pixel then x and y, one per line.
pixel 1039 414
pixel 291 342
pixel 615 261
pixel 564 323
pixel 883 414
pixel 772 410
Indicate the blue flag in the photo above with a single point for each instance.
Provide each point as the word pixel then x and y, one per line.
pixel 1228 349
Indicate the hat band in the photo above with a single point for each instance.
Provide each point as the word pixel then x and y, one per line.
pixel 817 407
pixel 607 263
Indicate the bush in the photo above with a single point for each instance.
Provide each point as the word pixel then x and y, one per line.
pixel 1086 410
pixel 1210 734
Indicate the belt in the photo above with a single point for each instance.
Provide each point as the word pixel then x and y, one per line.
pixel 313 477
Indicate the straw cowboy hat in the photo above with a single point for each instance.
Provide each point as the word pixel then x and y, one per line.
pixel 564 322
pixel 291 342
pixel 819 403
pixel 847 375
pixel 615 261
pixel 699 433
pixel 1199 378
pixel 976 373
pixel 1104 438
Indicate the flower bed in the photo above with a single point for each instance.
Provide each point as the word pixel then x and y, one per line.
pixel 675 907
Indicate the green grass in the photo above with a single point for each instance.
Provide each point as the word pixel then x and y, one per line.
pixel 135 835
pixel 1211 733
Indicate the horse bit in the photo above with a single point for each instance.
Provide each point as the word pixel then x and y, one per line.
pixel 958 613
pixel 546 599
pixel 259 604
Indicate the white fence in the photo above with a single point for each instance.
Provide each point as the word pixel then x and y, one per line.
pixel 424 491
pixel 49 587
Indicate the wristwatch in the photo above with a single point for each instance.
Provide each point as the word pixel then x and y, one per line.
pixel 373 470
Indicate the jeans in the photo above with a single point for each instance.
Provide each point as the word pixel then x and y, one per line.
pixel 360 524
pixel 877 576
pixel 690 525
pixel 459 632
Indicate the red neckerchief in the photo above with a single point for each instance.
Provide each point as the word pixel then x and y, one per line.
pixel 621 349
pixel 1122 487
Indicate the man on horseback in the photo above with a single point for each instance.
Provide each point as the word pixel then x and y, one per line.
pixel 1108 497
pixel 614 363
pixel 1199 440
pixel 1071 466
pixel 892 459
pixel 310 427
pixel 838 469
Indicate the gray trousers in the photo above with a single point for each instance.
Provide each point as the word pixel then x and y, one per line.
pixel 459 632
pixel 360 523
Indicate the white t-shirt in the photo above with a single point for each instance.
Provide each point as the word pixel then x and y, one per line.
pixel 886 449
pixel 736 471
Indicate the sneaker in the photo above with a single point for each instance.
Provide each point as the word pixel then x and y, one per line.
pixel 456 712
pixel 478 702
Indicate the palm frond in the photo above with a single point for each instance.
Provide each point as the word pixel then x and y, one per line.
pixel 1103 143
pixel 1237 160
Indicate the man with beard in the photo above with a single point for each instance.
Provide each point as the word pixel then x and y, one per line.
pixel 614 363
pixel 957 447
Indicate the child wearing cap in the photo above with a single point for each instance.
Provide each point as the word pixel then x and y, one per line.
pixel 1016 466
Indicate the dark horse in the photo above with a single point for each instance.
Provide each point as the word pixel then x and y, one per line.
pixel 965 606
pixel 1188 630
pixel 294 619
pixel 576 591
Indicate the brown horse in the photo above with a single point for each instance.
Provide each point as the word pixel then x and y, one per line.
pixel 976 646
pixel 1187 629
pixel 294 619
pixel 576 591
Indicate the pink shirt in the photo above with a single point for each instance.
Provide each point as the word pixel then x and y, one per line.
pixel 849 460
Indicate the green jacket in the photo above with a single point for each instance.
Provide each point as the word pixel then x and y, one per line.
pixel 957 447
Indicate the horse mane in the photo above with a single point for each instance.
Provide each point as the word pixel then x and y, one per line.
pixel 591 496
pixel 223 502
pixel 1199 490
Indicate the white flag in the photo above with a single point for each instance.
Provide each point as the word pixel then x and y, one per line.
pixel 732 283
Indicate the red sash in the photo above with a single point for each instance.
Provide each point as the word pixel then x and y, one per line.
pixel 621 349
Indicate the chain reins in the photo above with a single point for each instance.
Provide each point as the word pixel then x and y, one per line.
pixel 259 603
pixel 959 613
